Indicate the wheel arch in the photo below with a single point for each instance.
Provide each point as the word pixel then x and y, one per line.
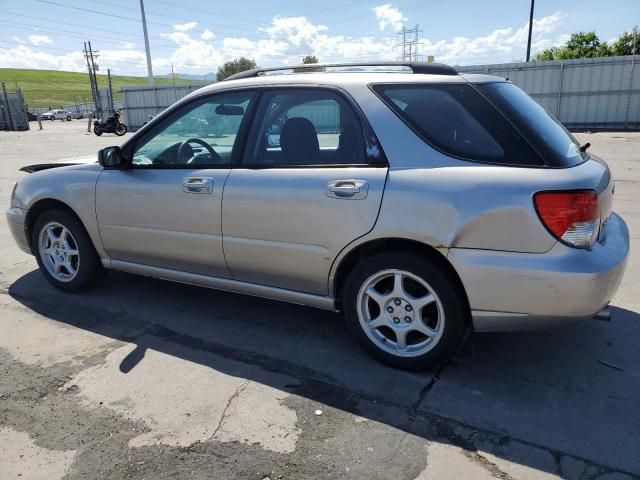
pixel 41 206
pixel 385 245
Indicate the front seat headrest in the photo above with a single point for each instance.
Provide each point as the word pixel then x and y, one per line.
pixel 299 141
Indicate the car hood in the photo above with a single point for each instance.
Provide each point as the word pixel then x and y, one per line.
pixel 66 162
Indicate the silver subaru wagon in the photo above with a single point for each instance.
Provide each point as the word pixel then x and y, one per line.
pixel 421 203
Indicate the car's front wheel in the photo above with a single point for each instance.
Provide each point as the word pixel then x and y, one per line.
pixel 64 251
pixel 52 118
pixel 68 118
pixel 406 311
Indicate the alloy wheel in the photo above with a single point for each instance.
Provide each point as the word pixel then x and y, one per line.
pixel 59 252
pixel 400 313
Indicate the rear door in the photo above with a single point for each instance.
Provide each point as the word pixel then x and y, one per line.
pixel 310 182
pixel 165 210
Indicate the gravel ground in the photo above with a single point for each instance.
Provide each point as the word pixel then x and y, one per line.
pixel 142 378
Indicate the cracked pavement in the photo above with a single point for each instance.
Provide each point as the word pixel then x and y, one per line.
pixel 142 378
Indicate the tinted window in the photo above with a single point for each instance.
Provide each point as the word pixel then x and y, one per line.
pixel 306 127
pixel 458 121
pixel 202 133
pixel 558 147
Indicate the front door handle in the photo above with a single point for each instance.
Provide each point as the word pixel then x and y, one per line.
pixel 197 185
pixel 347 189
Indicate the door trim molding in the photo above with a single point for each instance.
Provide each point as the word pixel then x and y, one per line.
pixel 226 284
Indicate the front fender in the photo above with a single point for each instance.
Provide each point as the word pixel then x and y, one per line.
pixel 74 186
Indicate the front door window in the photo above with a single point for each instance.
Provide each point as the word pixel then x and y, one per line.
pixel 202 134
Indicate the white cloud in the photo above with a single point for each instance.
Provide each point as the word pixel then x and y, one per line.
pixel 38 40
pixel 18 40
pixel 503 44
pixel 288 39
pixel 24 56
pixel 191 54
pixel 207 34
pixel 389 16
pixel 185 27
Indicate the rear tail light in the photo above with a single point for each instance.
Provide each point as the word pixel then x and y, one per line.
pixel 572 217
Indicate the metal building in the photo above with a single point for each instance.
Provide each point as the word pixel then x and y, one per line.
pixel 599 93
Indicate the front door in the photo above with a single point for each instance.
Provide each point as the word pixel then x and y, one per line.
pixel 306 187
pixel 165 210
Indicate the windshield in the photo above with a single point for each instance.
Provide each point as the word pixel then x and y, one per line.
pixel 552 140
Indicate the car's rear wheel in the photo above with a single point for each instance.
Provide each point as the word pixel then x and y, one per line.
pixel 405 311
pixel 64 251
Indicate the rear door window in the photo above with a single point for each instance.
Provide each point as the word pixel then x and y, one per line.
pixel 459 121
pixel 305 127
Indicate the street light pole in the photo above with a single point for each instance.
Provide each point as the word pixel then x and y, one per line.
pixel 530 31
pixel 146 43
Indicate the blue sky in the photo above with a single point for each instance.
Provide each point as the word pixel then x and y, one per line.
pixel 198 35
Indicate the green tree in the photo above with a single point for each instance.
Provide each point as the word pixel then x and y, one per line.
pixel 579 45
pixel 310 59
pixel 624 44
pixel 235 66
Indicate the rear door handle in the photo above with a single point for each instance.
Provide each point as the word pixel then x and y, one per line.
pixel 197 185
pixel 347 189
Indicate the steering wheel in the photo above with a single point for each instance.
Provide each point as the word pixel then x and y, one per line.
pixel 182 149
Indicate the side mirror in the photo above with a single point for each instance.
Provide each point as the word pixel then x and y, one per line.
pixel 111 158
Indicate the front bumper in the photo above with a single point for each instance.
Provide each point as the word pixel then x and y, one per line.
pixel 514 291
pixel 16 220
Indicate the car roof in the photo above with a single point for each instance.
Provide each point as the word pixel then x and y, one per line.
pixel 346 79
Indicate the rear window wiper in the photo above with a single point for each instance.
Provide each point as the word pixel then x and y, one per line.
pixel 583 148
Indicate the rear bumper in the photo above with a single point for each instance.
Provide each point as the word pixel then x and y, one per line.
pixel 515 291
pixel 16 221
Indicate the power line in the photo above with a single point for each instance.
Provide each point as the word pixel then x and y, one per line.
pixel 193 9
pixel 122 17
pixel 173 17
pixel 118 32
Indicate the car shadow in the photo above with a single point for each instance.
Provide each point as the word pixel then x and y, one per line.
pixel 548 389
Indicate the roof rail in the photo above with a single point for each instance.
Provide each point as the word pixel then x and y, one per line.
pixel 416 67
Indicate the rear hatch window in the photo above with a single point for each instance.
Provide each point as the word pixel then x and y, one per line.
pixel 497 126
pixel 549 137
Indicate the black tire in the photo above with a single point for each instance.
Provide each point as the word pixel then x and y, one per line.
pixel 97 130
pixel 89 266
pixel 456 312
pixel 53 118
pixel 121 129
pixel 68 118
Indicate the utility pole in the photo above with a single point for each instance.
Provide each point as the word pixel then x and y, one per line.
pixel 410 39
pixel 110 90
pixel 146 43
pixel 94 68
pixel 90 71
pixel 530 31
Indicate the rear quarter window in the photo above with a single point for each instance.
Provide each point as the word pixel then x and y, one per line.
pixel 549 137
pixel 458 121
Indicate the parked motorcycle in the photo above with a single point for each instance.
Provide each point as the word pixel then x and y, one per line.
pixel 111 125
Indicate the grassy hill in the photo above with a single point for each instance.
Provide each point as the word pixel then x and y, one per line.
pixel 50 88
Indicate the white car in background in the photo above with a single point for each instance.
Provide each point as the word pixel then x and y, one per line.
pixel 56 115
